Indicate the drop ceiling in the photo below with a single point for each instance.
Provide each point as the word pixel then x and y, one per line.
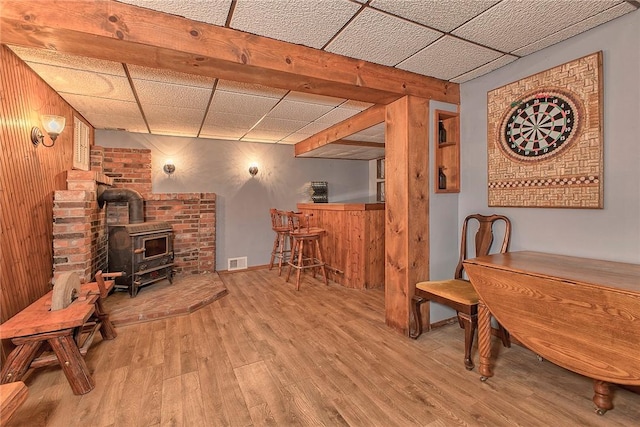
pixel 453 40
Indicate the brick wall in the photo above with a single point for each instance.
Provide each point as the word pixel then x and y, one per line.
pixel 80 226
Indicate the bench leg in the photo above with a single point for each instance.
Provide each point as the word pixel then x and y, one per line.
pixel 18 361
pixel 107 330
pixel 72 363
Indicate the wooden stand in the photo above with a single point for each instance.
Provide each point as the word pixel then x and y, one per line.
pixel 69 332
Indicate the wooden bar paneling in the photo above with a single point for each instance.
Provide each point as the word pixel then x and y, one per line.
pixel 407 206
pixel 354 242
pixel 28 177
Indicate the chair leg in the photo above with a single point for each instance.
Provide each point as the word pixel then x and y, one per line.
pixel 274 250
pixel 415 328
pixel 282 240
pixel 300 262
pixel 294 249
pixel 470 325
pixel 321 259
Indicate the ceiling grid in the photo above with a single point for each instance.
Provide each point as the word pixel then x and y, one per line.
pixel 454 40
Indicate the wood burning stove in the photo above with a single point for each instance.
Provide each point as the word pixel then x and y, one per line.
pixel 143 251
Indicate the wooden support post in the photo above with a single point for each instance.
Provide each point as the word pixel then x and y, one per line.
pixel 407 206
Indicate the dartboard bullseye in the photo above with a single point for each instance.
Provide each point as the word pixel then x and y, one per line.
pixel 539 126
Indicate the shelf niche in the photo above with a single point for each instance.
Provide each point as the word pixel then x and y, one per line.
pixel 446 138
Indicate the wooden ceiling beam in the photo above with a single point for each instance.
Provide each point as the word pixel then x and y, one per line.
pixel 120 32
pixel 361 121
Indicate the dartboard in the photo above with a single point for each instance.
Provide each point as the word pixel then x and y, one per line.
pixel 540 126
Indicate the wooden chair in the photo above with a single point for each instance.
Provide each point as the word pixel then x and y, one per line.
pixel 279 251
pixel 305 238
pixel 458 293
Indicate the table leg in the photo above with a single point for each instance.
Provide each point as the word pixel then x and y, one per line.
pixel 602 396
pixel 484 341
pixel 18 361
pixel 72 363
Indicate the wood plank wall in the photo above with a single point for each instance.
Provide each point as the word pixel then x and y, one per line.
pixel 28 177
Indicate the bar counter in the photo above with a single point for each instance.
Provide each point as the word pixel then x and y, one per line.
pixel 353 246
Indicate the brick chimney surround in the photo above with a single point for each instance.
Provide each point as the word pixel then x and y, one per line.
pixel 80 227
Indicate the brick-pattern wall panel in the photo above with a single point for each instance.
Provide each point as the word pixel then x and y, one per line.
pixel 207 233
pixel 72 232
pixel 130 168
pixel 194 238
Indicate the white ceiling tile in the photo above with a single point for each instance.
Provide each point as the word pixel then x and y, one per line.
pixel 347 152
pixel 512 24
pixel 313 128
pixel 262 135
pixel 84 82
pixel 356 105
pixel 436 60
pixel 170 77
pixel 239 103
pixel 52 57
pixel 309 23
pixel 314 99
pixel 443 15
pixel 250 89
pixel 381 38
pixel 582 26
pixel 156 93
pixel 298 111
pixel 493 65
pixel 294 138
pixel 235 121
pixel 281 125
pixel 211 12
pixel 105 113
pixel 337 115
pixel 162 119
pixel 222 133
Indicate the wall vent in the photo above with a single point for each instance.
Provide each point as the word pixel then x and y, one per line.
pixel 239 263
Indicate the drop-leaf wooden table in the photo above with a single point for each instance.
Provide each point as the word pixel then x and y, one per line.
pixel 581 314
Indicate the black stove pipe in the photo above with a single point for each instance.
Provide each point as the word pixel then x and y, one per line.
pixel 132 197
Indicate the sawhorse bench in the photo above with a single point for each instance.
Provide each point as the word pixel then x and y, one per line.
pixel 68 331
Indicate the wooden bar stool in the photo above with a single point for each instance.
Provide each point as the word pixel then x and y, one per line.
pixel 306 238
pixel 281 228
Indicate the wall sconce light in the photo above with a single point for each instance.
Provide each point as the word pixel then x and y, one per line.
pixel 253 169
pixel 53 125
pixel 169 167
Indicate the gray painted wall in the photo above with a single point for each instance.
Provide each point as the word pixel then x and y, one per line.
pixel 243 202
pixel 612 233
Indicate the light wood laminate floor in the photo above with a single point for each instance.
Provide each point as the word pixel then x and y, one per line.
pixel 268 355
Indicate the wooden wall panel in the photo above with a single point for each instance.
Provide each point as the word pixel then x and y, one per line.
pixel 353 243
pixel 28 177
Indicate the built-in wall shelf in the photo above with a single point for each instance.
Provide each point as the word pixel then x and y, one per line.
pixel 447 151
pixel 380 180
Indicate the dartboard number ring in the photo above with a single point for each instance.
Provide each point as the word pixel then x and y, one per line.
pixel 540 126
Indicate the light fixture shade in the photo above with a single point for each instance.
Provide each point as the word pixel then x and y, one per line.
pixel 53 125
pixel 253 169
pixel 169 167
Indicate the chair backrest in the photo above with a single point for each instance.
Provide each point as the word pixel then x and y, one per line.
pixel 299 222
pixel 278 219
pixel 483 238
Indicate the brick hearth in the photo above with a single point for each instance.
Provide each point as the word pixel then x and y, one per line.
pixel 187 294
